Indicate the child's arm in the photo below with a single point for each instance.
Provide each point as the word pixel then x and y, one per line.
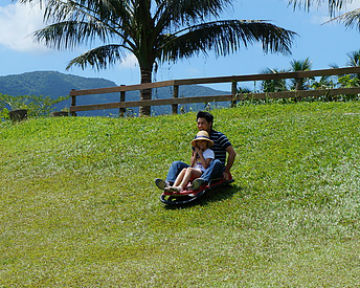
pixel 204 162
pixel 206 157
pixel 193 158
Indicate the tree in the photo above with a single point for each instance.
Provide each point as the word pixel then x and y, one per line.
pixel 155 31
pixel 350 80
pixel 275 85
pixel 354 61
pixel 300 65
pixel 324 82
pixel 351 18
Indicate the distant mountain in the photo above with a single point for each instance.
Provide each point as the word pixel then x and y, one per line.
pixel 56 84
pixel 48 83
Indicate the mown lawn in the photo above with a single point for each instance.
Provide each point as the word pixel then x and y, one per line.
pixel 78 207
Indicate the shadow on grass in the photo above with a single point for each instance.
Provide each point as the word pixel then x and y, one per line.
pixel 220 194
pixel 213 195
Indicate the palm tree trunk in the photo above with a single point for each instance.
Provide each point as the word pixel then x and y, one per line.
pixel 299 86
pixel 146 93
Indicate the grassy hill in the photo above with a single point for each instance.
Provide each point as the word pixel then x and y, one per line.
pixel 78 207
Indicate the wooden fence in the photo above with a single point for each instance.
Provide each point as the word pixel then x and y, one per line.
pixel 233 97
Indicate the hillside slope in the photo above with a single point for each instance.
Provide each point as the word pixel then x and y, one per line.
pixel 78 206
pixel 48 83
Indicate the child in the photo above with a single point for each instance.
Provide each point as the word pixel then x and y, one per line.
pixel 200 160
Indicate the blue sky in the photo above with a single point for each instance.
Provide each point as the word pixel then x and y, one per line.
pixel 323 44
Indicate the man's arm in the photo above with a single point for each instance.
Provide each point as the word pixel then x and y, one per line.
pixel 230 161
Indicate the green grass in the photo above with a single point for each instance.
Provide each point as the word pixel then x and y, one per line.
pixel 78 207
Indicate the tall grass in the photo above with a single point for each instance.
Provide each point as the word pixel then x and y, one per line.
pixel 78 207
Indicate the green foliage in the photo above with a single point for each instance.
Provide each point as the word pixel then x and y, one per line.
pixel 300 65
pixel 78 206
pixel 4 113
pixel 36 105
pixel 273 85
pixel 19 102
pixel 324 82
pixel 349 81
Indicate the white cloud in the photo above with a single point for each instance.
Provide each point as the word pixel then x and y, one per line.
pixel 129 61
pixel 321 19
pixel 355 4
pixel 323 11
pixel 18 22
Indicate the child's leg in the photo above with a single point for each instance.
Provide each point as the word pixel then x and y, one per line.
pixel 179 177
pixel 190 172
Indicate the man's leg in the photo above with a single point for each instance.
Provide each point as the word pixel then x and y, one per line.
pixel 215 170
pixel 174 171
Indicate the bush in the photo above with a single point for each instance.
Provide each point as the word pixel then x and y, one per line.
pixel 36 105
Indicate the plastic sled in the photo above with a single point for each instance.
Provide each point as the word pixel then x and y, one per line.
pixel 187 196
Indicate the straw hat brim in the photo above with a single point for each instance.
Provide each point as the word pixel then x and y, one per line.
pixel 202 138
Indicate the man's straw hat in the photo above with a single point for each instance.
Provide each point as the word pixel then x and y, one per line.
pixel 202 135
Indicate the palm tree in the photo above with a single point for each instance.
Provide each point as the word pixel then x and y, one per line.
pixel 154 31
pixel 351 18
pixel 273 85
pixel 323 83
pixel 354 61
pixel 348 80
pixel 300 65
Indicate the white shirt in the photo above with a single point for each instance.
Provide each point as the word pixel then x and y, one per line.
pixel 208 154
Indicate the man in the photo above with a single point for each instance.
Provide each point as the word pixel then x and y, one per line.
pixel 218 168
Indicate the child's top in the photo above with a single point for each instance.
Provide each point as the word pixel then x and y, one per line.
pixel 208 154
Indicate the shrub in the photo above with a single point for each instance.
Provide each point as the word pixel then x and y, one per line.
pixel 36 105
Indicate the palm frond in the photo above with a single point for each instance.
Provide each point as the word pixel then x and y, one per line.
pixel 69 33
pixel 354 59
pixel 225 37
pixel 190 9
pixel 187 12
pixel 29 1
pixel 276 85
pixel 114 12
pixel 301 65
pixel 100 57
pixel 350 19
pixel 107 9
pixel 333 5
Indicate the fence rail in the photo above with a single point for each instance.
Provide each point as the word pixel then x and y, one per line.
pixel 233 97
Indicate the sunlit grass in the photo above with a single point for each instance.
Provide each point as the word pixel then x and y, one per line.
pixel 78 207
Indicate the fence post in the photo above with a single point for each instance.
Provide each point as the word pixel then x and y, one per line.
pixel 298 86
pixel 233 93
pixel 122 99
pixel 73 103
pixel 175 95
